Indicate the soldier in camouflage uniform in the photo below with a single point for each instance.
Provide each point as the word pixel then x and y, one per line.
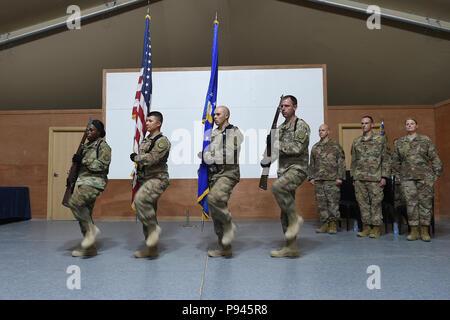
pixel 370 167
pixel 413 154
pixel 222 158
pixel 92 179
pixel 153 180
pixel 326 173
pixel 293 155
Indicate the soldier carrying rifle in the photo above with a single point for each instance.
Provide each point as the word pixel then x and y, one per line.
pixel 93 164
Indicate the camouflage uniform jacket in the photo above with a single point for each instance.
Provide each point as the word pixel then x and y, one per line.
pixel 223 154
pixel 411 159
pixel 327 161
pixel 371 158
pixel 95 164
pixel 293 145
pixel 152 158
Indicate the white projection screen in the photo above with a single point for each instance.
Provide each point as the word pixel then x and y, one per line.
pixel 251 93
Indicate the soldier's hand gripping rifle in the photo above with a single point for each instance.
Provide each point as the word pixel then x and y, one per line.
pixel 266 161
pixel 74 169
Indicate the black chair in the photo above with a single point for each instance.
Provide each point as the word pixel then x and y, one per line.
pixel 348 206
pixel 401 212
pixel 388 204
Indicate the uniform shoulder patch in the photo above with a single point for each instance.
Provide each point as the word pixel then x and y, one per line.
pixel 161 145
pixel 301 136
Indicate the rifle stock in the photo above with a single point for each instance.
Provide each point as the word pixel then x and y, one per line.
pixel 268 151
pixel 74 170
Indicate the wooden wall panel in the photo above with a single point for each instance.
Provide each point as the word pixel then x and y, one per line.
pixel 394 120
pixel 442 120
pixel 247 201
pixel 25 137
pixel 24 141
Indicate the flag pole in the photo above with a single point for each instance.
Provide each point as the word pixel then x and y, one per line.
pixel 208 122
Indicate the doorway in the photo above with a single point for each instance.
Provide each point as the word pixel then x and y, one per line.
pixel 63 143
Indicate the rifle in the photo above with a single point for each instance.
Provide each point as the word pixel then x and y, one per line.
pixel 268 152
pixel 74 169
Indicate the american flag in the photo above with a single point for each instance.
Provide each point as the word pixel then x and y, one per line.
pixel 142 101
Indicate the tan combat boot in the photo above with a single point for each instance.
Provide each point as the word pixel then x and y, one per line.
pixel 153 237
pixel 333 228
pixel 147 252
pixel 289 250
pixel 414 234
pixel 375 232
pixel 365 232
pixel 424 235
pixel 323 228
pixel 293 229
pixel 91 233
pixel 221 251
pixel 228 235
pixel 89 252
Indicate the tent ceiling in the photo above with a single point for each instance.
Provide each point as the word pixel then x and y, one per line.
pixel 15 15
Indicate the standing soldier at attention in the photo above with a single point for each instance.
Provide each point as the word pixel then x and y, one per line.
pixel 326 173
pixel 222 158
pixel 293 156
pixel 92 179
pixel 413 154
pixel 153 179
pixel 370 167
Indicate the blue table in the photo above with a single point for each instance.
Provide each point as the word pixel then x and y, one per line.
pixel 14 203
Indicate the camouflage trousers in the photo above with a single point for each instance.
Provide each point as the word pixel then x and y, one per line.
pixel 419 201
pixel 327 194
pixel 145 201
pixel 284 191
pixel 81 204
pixel 218 196
pixel 399 199
pixel 370 196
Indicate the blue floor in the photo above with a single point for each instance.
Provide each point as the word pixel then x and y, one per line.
pixel 35 255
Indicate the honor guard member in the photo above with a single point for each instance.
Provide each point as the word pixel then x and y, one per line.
pixel 412 157
pixel 370 167
pixel 92 179
pixel 222 158
pixel 326 173
pixel 293 156
pixel 153 179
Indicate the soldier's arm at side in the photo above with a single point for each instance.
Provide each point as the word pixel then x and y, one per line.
pixel 396 162
pixel 102 162
pixel 386 160
pixel 311 166
pixel 341 164
pixel 436 162
pixel 353 162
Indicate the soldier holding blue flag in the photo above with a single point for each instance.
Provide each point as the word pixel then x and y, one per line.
pixel 223 165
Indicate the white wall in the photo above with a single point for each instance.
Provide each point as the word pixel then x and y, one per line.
pixel 251 95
